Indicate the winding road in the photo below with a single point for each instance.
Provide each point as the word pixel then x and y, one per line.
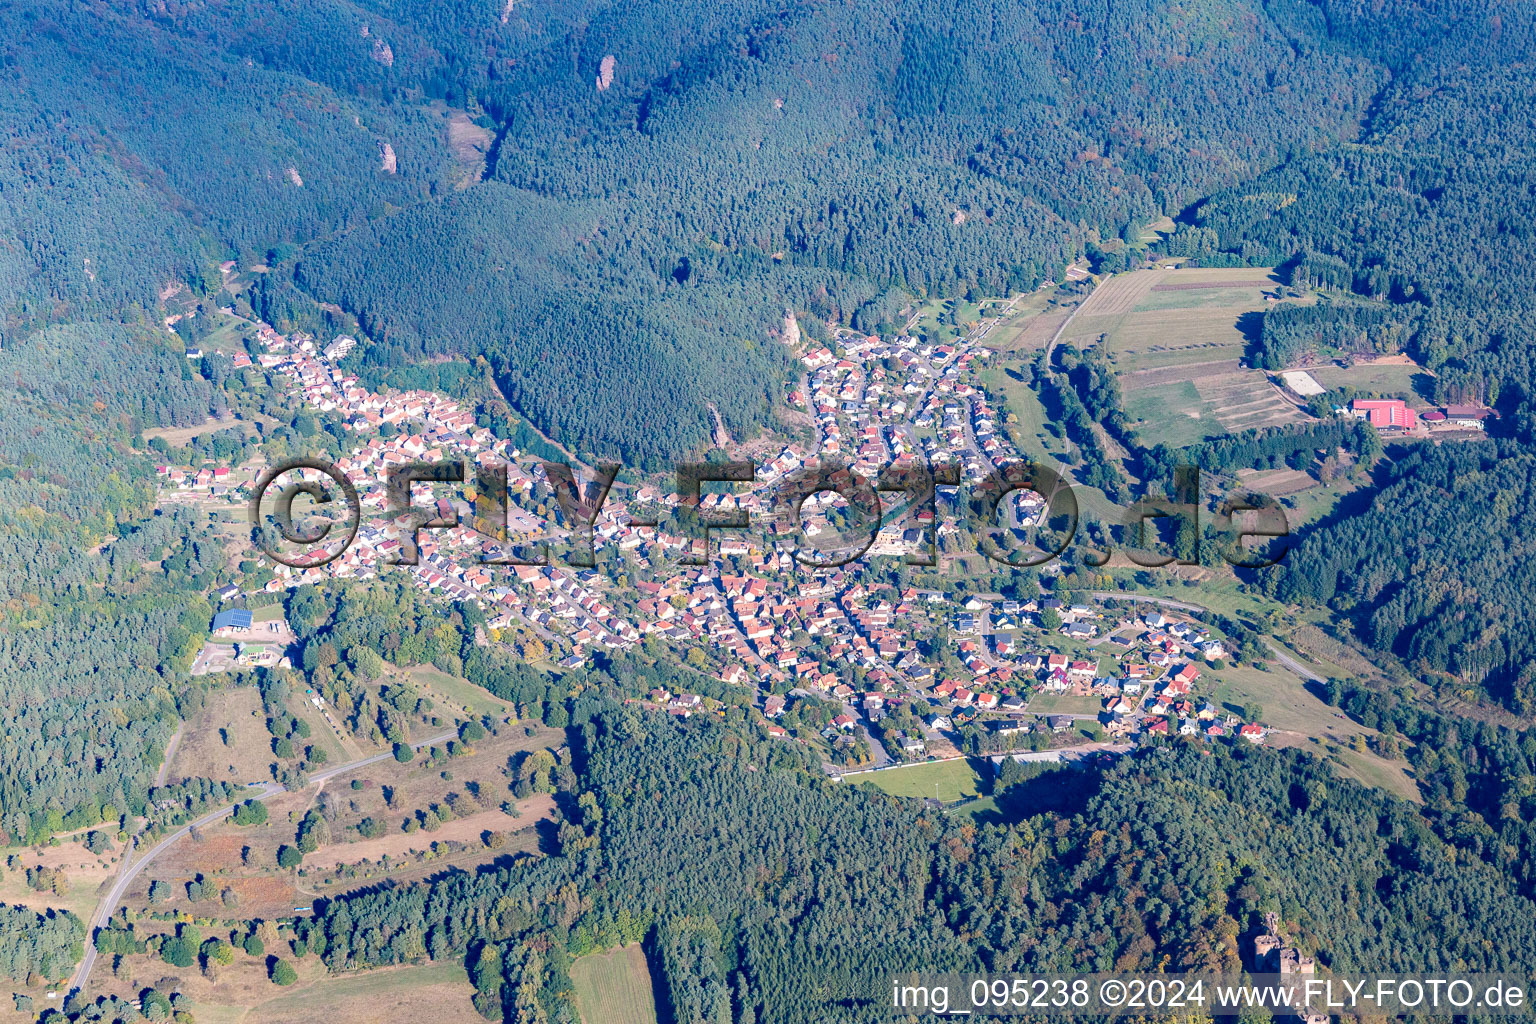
pixel 127 874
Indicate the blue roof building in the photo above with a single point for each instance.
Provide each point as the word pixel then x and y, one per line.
pixel 233 618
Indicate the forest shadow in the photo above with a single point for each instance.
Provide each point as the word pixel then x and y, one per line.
pixel 1251 327
pixel 1042 789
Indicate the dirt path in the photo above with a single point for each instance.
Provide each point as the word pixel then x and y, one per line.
pixel 722 437
pixel 170 752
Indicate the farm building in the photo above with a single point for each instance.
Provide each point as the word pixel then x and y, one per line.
pixel 1466 415
pixel 1385 412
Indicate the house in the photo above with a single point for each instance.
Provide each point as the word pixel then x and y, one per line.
pixel 773 706
pixel 1253 732
pixel 1059 723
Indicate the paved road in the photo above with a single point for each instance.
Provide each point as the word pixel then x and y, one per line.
pixel 127 874
pixel 1280 654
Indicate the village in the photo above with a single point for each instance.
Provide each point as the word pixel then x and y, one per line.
pixel 871 652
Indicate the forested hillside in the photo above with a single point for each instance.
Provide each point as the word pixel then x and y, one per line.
pixel 101 601
pixel 1168 864
pixel 1435 566
pixel 1429 219
pixel 665 178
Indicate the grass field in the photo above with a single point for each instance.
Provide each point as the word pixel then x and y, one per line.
pixel 1172 414
pixel 1183 404
pixel 242 753
pixel 1387 378
pixel 947 780
pixel 1290 707
pixel 461 694
pixel 614 987
pixel 1064 704
pixel 396 995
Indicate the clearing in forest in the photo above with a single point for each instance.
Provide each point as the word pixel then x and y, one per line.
pixel 614 987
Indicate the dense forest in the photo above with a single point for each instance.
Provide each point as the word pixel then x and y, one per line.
pixel 101 601
pixel 1460 604
pixel 39 946
pixel 1166 859
pixel 648 222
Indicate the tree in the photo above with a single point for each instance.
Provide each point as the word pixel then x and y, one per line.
pixel 252 812
pixel 219 951
pixel 283 973
pixel 404 753
pixel 159 892
pixel 288 857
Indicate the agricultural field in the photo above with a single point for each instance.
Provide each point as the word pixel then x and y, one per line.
pixel 949 781
pixel 1028 327
pixel 1176 339
pixel 1184 404
pixel 614 987
pixel 1152 318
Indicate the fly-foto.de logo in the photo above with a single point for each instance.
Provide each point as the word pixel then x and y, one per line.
pixel 306 513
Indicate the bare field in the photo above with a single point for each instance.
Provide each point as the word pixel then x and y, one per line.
pixel 1120 294
pixel 1220 277
pixel 85 875
pixel 244 994
pixel 1029 336
pixel 1278 482
pixel 178 436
